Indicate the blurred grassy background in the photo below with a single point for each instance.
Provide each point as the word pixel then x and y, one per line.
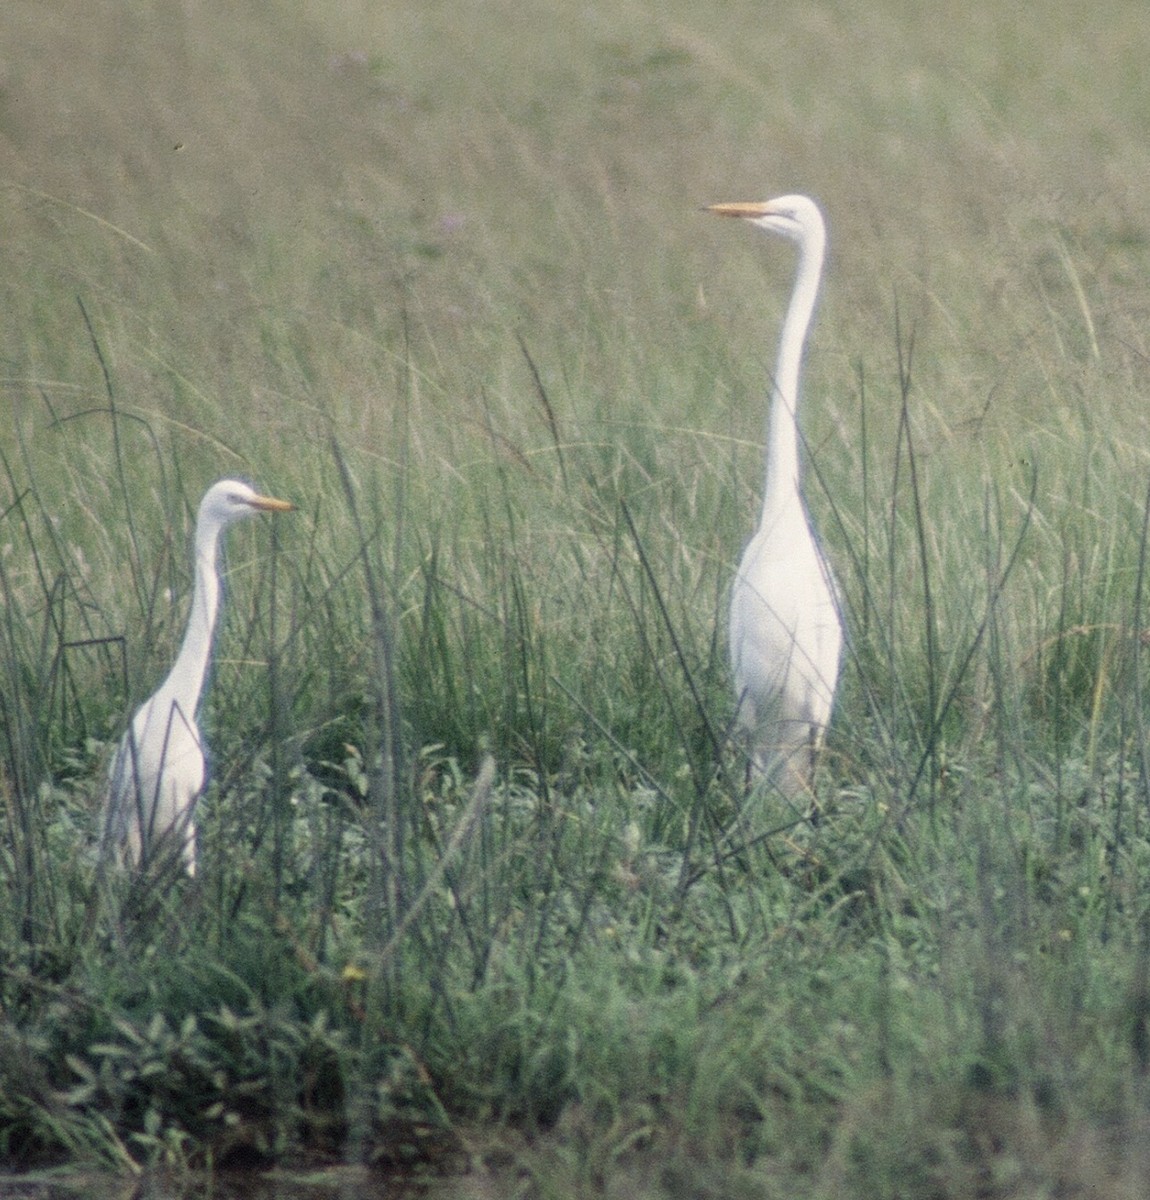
pixel 317 175
pixel 291 221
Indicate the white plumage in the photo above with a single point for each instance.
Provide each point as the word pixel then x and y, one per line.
pixel 786 630
pixel 159 767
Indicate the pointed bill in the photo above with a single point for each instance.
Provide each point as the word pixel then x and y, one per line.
pixel 271 504
pixel 741 208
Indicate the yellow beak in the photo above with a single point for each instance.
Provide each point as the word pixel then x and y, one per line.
pixel 741 208
pixel 271 504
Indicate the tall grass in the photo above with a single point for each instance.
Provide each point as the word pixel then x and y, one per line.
pixel 482 886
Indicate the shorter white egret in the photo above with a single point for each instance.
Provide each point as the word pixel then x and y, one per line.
pixel 159 767
pixel 786 630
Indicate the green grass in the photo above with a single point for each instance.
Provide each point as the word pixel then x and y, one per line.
pixel 481 895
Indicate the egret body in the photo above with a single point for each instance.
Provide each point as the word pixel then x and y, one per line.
pixel 159 767
pixel 786 631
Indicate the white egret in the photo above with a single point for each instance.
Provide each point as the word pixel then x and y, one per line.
pixel 785 626
pixel 158 770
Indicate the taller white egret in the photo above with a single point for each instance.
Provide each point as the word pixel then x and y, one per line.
pixel 786 630
pixel 158 770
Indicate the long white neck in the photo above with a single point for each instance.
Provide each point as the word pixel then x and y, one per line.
pixel 782 484
pixel 186 680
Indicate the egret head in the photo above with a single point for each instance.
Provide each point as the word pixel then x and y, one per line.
pixel 229 500
pixel 795 217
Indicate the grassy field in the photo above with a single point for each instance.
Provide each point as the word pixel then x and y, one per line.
pixel 482 898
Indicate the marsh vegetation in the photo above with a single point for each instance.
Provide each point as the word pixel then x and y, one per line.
pixel 480 895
